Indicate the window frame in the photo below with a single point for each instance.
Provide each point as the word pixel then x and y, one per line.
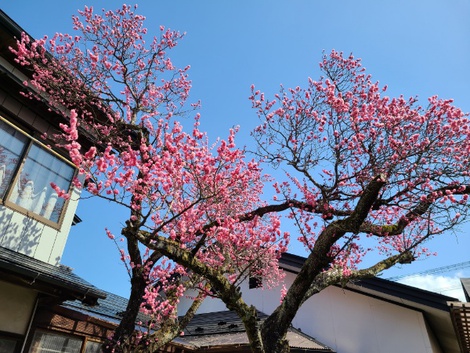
pixel 17 174
pixel 90 339
pixel 83 338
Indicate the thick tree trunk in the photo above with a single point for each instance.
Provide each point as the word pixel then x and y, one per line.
pixel 273 344
pixel 121 341
pixel 274 329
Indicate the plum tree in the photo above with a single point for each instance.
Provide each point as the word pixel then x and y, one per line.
pixel 365 174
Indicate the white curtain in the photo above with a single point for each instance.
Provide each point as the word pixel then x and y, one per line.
pixel 12 144
pixel 33 190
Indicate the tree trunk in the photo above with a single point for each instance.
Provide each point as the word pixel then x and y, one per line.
pixel 274 329
pixel 272 343
pixel 121 341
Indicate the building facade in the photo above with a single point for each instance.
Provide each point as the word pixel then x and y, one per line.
pixel 35 222
pixel 367 316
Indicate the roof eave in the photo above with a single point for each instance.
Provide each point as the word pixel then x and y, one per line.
pixel 38 275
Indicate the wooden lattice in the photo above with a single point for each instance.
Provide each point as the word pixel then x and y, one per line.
pixel 461 318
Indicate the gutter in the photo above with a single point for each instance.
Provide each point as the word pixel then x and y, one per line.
pixel 36 271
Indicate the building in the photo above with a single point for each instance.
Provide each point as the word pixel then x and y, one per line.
pixel 367 316
pixel 35 222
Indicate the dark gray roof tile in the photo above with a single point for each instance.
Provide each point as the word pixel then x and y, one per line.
pixel 56 277
pixel 109 309
pixel 225 328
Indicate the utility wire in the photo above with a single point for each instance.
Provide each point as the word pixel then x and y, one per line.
pixel 433 271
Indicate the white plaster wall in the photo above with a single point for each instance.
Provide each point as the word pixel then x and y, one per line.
pixel 28 236
pixel 346 321
pixel 354 323
pixel 16 307
pixel 209 305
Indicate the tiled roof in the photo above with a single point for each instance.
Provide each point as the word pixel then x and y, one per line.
pixel 225 329
pixel 293 263
pixel 59 279
pixel 215 322
pixel 109 309
pixel 466 287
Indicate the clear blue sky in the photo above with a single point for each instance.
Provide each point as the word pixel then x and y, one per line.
pixel 419 47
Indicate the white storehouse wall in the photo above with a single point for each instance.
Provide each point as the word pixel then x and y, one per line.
pixel 347 321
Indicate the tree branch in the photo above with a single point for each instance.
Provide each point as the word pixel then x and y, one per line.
pixel 318 260
pixel 335 276
pixel 420 209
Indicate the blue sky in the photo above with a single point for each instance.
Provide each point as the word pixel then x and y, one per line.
pixel 418 48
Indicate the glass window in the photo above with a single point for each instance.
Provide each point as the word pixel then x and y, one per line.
pixel 92 347
pixel 47 342
pixel 12 146
pixel 32 189
pixel 27 170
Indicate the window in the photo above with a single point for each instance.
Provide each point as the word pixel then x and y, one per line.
pixel 254 282
pixel 92 347
pixel 52 342
pixel 27 169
